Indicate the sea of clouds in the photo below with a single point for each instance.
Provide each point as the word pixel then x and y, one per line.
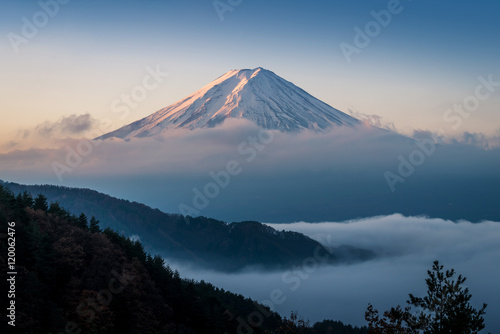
pixel 406 248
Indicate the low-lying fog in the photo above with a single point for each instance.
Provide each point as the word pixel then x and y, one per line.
pixel 406 248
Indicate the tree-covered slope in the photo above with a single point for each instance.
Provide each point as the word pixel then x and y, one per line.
pixel 72 277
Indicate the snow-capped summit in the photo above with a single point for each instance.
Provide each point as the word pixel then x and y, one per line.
pixel 258 95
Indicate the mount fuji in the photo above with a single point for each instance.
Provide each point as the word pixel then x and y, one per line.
pixel 257 95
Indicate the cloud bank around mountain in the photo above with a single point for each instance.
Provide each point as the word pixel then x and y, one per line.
pixel 406 248
pixel 240 172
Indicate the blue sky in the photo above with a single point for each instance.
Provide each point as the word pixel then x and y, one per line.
pixel 426 59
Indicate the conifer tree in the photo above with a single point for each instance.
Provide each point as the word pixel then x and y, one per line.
pixel 445 309
pixel 94 225
pixel 41 203
pixel 82 222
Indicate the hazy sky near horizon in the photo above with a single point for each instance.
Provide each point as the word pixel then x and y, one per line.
pixel 427 57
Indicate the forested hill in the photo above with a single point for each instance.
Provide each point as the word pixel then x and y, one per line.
pixel 230 247
pixel 72 277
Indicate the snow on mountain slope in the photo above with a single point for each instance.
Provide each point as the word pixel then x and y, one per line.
pixel 258 95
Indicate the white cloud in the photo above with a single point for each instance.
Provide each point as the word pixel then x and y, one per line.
pixel 398 235
pixel 407 246
pixel 51 134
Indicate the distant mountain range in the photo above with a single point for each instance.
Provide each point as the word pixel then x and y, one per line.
pixel 205 242
pixel 257 95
